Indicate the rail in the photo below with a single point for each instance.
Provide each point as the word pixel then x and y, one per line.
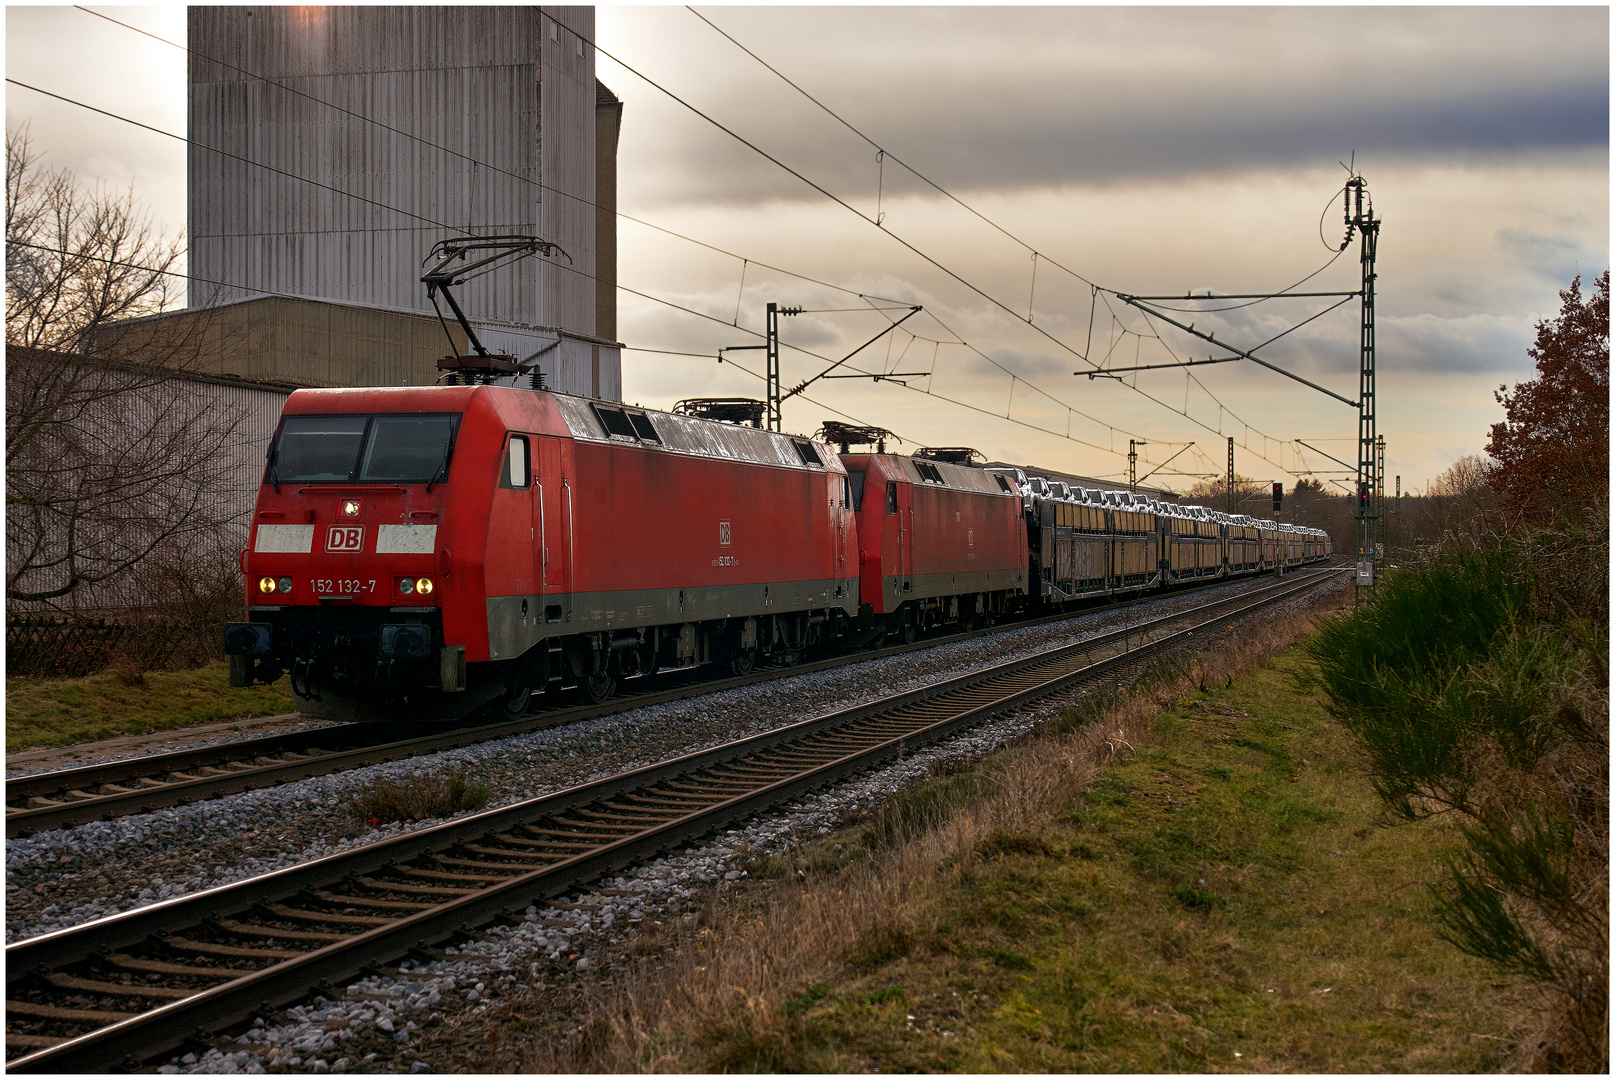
pixel 153 976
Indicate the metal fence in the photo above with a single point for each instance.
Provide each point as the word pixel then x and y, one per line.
pixel 40 646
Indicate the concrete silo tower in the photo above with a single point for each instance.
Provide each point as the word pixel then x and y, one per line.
pixel 333 146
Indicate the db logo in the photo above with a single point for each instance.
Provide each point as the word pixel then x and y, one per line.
pixel 723 534
pixel 345 538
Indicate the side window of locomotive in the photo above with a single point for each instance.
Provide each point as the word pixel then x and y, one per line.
pixel 1002 483
pixel 517 472
pixel 805 451
pixel 891 496
pixel 846 494
pixel 615 421
pixel 857 481
pixel 643 427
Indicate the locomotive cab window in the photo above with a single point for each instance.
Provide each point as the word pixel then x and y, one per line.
pixel 402 448
pixel 857 481
pixel 891 496
pixel 517 472
pixel 805 451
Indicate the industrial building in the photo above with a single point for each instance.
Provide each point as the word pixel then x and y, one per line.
pixel 333 146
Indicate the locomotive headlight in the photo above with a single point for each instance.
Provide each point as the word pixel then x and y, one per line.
pixel 284 585
pixel 266 585
pixel 423 586
pixel 406 586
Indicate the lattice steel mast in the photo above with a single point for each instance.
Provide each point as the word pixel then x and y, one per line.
pixel 1360 217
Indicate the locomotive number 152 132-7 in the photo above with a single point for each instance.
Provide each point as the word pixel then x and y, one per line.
pixel 341 586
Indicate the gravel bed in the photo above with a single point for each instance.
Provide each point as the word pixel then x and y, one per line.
pixel 378 1023
pixel 68 876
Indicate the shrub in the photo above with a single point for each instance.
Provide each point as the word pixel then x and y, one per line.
pixel 1478 684
pixel 417 798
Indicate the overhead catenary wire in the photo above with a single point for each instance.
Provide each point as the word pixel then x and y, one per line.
pixel 559 266
pixel 745 261
pixel 1036 253
pixel 887 153
pixel 477 162
pixel 260 292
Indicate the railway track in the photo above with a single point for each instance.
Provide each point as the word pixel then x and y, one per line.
pixel 67 798
pixel 121 990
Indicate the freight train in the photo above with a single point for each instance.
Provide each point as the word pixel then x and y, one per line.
pixel 432 552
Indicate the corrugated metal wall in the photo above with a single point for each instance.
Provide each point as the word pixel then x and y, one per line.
pixel 512 88
pixel 567 122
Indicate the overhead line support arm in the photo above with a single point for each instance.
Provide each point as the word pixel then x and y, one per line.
pixel 1189 329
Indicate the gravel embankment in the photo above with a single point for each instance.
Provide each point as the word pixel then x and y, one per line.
pixel 393 1023
pixel 69 876
pixel 417 1022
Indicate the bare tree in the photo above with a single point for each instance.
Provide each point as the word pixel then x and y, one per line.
pixel 110 456
pixel 76 260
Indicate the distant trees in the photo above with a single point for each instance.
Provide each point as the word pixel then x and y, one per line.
pixel 1248 494
pixel 1552 451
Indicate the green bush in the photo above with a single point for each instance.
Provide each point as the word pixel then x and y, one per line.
pixel 1478 684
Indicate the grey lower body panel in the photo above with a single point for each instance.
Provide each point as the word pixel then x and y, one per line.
pixel 517 623
pixel 928 586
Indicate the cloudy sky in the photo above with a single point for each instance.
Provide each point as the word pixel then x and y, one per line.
pixel 1143 150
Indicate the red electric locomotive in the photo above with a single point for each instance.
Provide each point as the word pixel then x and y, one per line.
pixel 439 548
pixel 938 542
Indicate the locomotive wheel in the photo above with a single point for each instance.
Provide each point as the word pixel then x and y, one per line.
pixel 597 688
pixel 743 661
pixel 909 633
pixel 516 702
pixel 788 657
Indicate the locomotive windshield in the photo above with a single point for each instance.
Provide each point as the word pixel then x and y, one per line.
pixel 408 449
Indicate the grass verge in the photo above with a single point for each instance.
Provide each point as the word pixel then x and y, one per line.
pixel 60 712
pixel 1194 876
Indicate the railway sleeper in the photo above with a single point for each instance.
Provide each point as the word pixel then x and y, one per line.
pixel 54 1012
pixel 516 868
pixel 215 948
pixel 547 842
pixel 109 989
pixel 327 917
pixel 444 875
pixel 533 859
pixel 370 902
pixel 161 967
pixel 253 930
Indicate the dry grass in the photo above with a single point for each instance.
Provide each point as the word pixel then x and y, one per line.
pixel 416 798
pixel 823 968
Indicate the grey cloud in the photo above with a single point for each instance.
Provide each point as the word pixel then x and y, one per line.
pixel 1462 84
